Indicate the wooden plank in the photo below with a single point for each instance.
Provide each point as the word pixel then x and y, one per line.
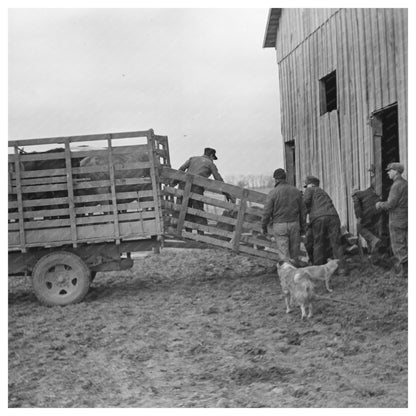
pixel 19 200
pixel 370 73
pixel 154 174
pixel 42 173
pixel 212 230
pixel 217 203
pixel 71 203
pixel 401 46
pixel 281 102
pixel 75 139
pixel 113 191
pixel 81 199
pixel 95 240
pixel 40 214
pixel 240 219
pixel 80 221
pixel 38 181
pixel 376 59
pixel 223 244
pixel 104 197
pixel 117 166
pixel 363 97
pixel 62 186
pixel 103 153
pixel 131 206
pixel 391 54
pixel 213 185
pixel 384 62
pixel 97 209
pixel 246 225
pixel 207 200
pixel 117 182
pixel 44 188
pixel 30 157
pixel 356 105
pixel 305 163
pixel 346 137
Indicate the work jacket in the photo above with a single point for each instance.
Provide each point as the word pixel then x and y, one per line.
pixel 318 203
pixel 284 204
pixel 365 204
pixel 202 166
pixel 396 203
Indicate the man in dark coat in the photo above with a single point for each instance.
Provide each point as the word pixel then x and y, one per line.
pixel 324 222
pixel 368 217
pixel 285 210
pixel 202 166
pixel 396 205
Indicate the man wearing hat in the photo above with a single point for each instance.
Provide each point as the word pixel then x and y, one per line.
pixel 284 208
pixel 396 206
pixel 324 222
pixel 368 217
pixel 202 166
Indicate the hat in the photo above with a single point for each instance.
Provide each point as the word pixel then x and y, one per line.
pixel 208 151
pixel 279 174
pixel 395 166
pixel 311 180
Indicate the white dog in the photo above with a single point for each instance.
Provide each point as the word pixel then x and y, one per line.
pixel 323 272
pixel 297 288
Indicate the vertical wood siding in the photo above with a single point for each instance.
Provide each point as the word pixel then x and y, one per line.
pixel 368 50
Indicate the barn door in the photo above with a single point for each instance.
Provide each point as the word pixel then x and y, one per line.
pixel 386 146
pixel 377 127
pixel 290 165
pixel 385 128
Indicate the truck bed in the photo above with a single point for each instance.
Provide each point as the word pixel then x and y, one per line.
pixel 54 200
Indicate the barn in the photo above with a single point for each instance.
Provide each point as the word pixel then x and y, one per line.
pixel 343 96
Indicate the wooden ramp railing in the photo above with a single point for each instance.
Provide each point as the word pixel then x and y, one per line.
pixel 234 226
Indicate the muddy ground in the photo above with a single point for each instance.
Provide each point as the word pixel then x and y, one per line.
pixel 206 328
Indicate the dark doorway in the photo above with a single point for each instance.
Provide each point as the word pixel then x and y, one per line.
pixel 290 162
pixel 386 145
pixel 386 150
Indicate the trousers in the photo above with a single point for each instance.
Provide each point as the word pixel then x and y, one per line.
pixel 326 230
pixel 287 236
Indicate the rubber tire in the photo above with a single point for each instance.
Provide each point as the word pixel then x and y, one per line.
pixel 74 275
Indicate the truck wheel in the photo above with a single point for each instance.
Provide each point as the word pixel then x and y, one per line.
pixel 60 278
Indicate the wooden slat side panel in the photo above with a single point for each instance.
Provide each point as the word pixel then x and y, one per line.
pixel 86 234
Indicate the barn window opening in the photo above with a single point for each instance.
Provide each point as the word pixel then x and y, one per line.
pixel 328 93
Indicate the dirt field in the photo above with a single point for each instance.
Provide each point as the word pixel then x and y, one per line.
pixel 205 328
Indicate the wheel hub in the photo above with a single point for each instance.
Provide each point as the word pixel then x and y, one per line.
pixel 60 278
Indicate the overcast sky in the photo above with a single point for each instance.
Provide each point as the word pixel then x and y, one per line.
pixel 199 76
